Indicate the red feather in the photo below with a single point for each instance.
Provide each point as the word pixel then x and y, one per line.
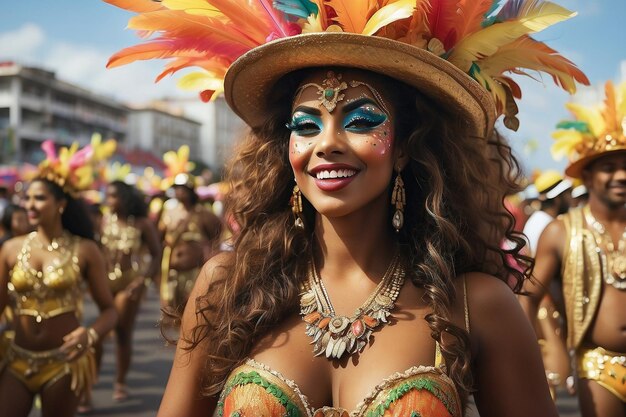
pixel 442 18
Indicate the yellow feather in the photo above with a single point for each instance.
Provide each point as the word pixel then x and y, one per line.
pixel 486 42
pixel 390 13
pixel 527 53
pixel 353 15
pixel 495 88
pixel 195 7
pixel 591 115
pixel 566 141
pixel 198 81
pixel 620 98
pixel 313 24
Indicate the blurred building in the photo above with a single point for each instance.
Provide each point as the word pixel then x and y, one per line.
pixel 160 130
pixel 220 128
pixel 36 106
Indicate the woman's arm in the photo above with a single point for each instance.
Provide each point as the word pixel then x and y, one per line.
pixel 547 265
pixel 182 393
pixel 4 279
pixel 508 370
pixel 93 270
pixel 151 238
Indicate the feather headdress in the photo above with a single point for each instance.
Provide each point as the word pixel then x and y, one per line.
pixel 71 169
pixel 178 168
pixel 596 130
pixel 487 39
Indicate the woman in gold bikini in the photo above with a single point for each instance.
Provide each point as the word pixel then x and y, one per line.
pixel 367 276
pixel 51 353
pixel 125 230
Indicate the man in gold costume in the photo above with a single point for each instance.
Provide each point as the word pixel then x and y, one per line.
pixel 588 247
pixel 190 236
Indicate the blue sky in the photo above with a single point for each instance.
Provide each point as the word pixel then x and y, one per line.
pixel 74 38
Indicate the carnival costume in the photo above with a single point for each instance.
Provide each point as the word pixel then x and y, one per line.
pixel 176 284
pixel 120 240
pixel 590 259
pixel 454 53
pixel 55 290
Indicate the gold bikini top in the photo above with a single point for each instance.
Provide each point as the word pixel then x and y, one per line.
pixel 118 237
pixel 49 292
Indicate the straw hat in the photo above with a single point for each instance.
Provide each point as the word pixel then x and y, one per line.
pixel 596 131
pixel 457 53
pixel 250 79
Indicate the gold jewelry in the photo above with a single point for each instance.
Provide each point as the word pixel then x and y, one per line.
pixel 334 335
pixel 55 244
pixel 92 337
pixel 398 199
pixel 330 92
pixel 296 207
pixel 613 260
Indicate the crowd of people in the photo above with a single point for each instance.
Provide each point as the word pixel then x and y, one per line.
pixel 380 257
pixel 59 241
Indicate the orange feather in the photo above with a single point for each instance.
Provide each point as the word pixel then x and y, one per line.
pixel 528 53
pixel 353 15
pixel 609 112
pixel 471 14
pixel 137 6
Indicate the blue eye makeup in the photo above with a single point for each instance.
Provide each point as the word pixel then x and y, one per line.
pixel 363 119
pixel 304 124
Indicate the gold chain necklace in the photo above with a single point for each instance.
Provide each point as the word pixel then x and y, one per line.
pixel 613 259
pixel 335 335
pixel 56 243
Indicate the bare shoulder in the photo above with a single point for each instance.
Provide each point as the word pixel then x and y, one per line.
pixel 490 301
pixel 88 246
pixel 554 231
pixel 214 270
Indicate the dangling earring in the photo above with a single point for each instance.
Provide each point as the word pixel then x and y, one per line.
pixel 296 207
pixel 398 200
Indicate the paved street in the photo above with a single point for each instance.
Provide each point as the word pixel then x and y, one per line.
pixel 151 365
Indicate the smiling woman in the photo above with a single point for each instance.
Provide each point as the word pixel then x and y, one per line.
pixel 50 353
pixel 382 289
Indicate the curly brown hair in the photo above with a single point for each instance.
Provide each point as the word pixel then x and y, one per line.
pixel 455 221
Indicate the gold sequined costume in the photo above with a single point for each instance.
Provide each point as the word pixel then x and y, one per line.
pixel 45 294
pixel 120 241
pixel 176 284
pixel 582 273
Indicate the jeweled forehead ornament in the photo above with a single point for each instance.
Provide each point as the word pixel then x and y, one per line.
pixel 330 91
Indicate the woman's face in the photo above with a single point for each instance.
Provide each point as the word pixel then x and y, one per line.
pixel 112 199
pixel 19 223
pixel 342 145
pixel 41 206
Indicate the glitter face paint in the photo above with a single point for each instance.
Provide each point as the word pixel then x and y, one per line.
pixel 342 159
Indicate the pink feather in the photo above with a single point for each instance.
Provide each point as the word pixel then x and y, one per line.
pixel 81 157
pixel 48 147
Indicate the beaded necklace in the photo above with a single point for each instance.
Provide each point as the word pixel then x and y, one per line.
pixel 334 335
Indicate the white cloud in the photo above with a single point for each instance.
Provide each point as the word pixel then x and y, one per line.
pixel 84 66
pixel 622 68
pixel 22 43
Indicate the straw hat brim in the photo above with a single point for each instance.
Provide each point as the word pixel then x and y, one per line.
pixel 575 169
pixel 251 78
